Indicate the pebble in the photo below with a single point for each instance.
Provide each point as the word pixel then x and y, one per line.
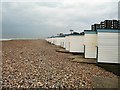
pixel 37 64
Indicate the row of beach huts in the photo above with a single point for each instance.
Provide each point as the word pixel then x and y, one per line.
pixel 101 42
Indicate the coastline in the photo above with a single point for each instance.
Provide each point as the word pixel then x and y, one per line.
pixel 4 39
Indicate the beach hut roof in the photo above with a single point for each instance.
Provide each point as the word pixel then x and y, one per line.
pixel 76 33
pixel 108 30
pixel 90 32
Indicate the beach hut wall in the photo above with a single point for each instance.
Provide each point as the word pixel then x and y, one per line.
pixel 90 44
pixel 76 43
pixel 108 46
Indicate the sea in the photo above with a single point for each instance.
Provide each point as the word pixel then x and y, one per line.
pixel 8 39
pixel 5 39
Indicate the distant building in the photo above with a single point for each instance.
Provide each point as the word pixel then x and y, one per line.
pixel 115 24
pixel 102 25
pixel 95 27
pixel 108 24
pixel 119 24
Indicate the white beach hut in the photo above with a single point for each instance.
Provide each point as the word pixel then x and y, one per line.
pixel 48 39
pixel 58 40
pixel 62 41
pixel 54 40
pixel 90 44
pixel 108 46
pixel 67 45
pixel 75 43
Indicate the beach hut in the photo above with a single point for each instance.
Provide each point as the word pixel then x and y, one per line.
pixel 48 39
pixel 90 44
pixel 58 40
pixel 107 51
pixel 52 40
pixel 75 42
pixel 62 41
pixel 65 41
pixel 67 45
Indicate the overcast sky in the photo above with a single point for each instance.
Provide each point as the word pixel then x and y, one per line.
pixel 42 19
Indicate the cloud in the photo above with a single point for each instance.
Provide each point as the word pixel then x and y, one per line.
pixel 119 10
pixel 41 19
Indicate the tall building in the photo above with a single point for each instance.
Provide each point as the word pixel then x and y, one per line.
pixel 119 10
pixel 115 24
pixel 92 27
pixel 102 25
pixel 119 24
pixel 108 24
pixel 95 27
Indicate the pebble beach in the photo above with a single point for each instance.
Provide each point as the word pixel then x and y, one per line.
pixel 36 64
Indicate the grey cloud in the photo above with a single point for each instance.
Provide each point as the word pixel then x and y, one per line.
pixel 119 10
pixel 49 4
pixel 41 19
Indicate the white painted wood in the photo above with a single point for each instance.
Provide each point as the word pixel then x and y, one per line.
pixel 59 41
pixel 90 42
pixel 52 40
pixel 49 40
pixel 76 43
pixel 67 43
pixel 56 41
pixel 108 47
pixel 62 42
